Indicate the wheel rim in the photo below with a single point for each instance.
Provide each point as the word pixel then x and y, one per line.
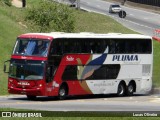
pixel 121 90
pixel 62 92
pixel 130 88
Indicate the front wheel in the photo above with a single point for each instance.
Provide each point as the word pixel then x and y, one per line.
pixel 121 90
pixel 62 92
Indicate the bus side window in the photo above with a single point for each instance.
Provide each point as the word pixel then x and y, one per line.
pixel 120 46
pixel 70 73
pixel 102 46
pixel 133 47
pixel 146 46
pixel 93 46
pixel 53 50
pixel 59 47
pixel 73 46
pixel 51 70
pixel 106 46
pixel 86 48
pixel 65 47
pixel 97 46
pixel 79 46
pixel 112 46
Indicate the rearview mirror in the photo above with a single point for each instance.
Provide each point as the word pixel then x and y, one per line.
pixel 6 70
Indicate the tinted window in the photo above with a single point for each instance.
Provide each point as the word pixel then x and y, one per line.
pixel 103 72
pixel 122 46
pixel 115 6
pixel 70 73
pixel 98 46
pixel 26 69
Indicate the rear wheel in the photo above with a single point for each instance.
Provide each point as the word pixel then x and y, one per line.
pixel 31 97
pixel 63 92
pixel 130 89
pixel 121 90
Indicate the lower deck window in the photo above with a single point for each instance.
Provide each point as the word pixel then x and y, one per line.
pixel 94 72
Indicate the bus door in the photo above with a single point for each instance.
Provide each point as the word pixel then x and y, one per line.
pixel 50 72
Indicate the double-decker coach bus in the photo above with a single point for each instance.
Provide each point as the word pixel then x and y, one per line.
pixel 62 64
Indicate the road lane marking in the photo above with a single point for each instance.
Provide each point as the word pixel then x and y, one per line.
pixel 131 14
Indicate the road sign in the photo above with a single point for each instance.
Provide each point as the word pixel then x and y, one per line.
pixel 122 14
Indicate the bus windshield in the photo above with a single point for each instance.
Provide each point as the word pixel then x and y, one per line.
pixel 31 47
pixel 27 70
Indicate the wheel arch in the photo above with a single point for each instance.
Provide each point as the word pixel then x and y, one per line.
pixel 122 82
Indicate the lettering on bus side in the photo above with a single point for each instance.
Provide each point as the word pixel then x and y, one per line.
pixel 125 58
pixel 69 58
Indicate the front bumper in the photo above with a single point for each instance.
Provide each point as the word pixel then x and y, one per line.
pixel 33 91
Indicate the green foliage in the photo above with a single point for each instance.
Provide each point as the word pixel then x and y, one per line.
pixel 9 30
pixel 51 17
pixel 7 2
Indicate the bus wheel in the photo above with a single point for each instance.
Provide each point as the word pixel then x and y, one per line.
pixel 62 92
pixel 31 97
pixel 121 90
pixel 130 89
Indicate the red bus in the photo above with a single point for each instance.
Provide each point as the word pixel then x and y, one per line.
pixel 62 64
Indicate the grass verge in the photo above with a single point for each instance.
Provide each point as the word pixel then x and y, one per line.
pixel 47 115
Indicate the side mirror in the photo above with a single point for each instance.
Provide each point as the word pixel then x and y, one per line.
pixel 5 66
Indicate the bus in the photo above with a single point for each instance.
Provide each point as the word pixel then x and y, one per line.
pixel 67 64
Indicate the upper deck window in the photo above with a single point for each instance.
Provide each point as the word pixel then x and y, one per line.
pixel 31 47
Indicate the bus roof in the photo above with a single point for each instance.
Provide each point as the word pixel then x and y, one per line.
pixel 55 35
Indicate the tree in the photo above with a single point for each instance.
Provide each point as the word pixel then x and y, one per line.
pixel 7 2
pixel 52 16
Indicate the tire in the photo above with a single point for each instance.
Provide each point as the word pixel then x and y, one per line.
pixel 121 90
pixel 31 97
pixel 62 92
pixel 130 89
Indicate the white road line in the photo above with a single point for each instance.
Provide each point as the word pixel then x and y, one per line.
pixel 131 14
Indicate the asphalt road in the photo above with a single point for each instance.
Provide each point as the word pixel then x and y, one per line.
pixel 93 103
pixel 138 20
